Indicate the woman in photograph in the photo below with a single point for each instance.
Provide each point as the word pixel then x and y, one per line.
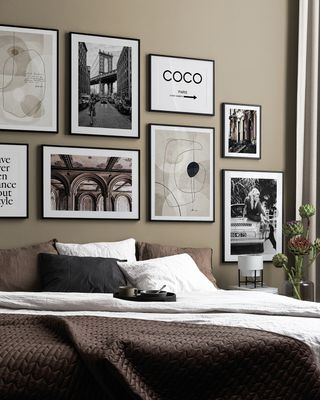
pixel 92 108
pixel 254 211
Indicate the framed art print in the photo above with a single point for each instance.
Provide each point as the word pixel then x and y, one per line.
pixel 105 85
pixel 181 85
pixel 181 173
pixel 28 79
pixel 13 180
pixel 253 213
pixel 241 131
pixel 90 183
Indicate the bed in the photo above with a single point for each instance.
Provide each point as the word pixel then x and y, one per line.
pixel 209 344
pixel 226 345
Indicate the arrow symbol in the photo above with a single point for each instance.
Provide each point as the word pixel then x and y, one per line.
pixel 190 97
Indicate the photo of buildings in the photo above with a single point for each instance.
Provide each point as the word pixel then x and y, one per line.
pixel 91 183
pixel 105 85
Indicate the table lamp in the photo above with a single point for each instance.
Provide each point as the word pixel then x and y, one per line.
pixel 250 267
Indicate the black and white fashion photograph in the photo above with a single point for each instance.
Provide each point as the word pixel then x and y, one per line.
pixel 241 131
pixel 90 183
pixel 253 213
pixel 105 85
pixel 182 173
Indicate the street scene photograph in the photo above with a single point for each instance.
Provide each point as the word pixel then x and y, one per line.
pixel 241 131
pixel 104 89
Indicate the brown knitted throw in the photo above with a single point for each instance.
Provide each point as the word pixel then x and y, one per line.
pixel 49 357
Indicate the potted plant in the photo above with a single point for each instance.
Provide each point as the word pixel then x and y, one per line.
pixel 302 249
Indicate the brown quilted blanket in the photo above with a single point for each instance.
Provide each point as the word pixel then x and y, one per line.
pixel 49 357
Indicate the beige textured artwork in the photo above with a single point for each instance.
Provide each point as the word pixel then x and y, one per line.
pixel 26 86
pixel 182 174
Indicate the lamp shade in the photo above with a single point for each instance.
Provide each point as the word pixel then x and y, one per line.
pixel 250 263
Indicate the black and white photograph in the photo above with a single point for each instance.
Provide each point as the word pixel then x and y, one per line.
pixel 241 131
pixel 181 85
pixel 13 180
pixel 104 85
pixel 253 213
pixel 90 183
pixel 28 79
pixel 181 173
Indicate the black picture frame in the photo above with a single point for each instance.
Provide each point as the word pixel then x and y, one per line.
pixel 198 206
pixel 14 191
pixel 245 233
pixel 36 107
pixel 116 183
pixel 188 71
pixel 241 131
pixel 115 114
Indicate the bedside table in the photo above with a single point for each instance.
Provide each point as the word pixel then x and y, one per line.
pixel 267 289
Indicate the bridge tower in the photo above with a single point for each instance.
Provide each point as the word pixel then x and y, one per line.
pixel 102 57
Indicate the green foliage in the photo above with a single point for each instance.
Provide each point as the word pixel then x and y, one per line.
pixel 300 246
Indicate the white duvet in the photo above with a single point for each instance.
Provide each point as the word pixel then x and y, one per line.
pixel 273 313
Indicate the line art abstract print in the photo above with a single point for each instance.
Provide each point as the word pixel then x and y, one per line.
pixel 28 79
pixel 182 173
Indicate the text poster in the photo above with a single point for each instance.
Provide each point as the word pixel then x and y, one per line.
pixel 182 85
pixel 13 180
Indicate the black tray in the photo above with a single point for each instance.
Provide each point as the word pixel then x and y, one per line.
pixel 169 297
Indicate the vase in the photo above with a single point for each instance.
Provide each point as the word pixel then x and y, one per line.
pixel 303 290
pixel 307 290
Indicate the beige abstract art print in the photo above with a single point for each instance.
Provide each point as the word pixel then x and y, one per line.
pixel 28 79
pixel 182 173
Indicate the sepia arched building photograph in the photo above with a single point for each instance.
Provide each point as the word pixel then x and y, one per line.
pixel 90 183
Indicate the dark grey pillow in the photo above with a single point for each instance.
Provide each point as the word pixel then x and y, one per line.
pixel 60 273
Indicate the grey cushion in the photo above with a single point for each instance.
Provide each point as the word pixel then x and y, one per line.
pixel 60 273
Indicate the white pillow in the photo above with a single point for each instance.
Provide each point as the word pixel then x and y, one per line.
pixel 179 273
pixel 123 250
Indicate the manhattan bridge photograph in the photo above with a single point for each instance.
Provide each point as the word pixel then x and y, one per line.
pixel 105 85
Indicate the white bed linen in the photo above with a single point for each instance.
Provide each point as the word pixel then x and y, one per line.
pixel 273 313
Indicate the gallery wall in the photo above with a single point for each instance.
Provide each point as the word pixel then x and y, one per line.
pixel 253 43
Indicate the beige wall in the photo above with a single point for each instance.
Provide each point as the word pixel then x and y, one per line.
pixel 253 43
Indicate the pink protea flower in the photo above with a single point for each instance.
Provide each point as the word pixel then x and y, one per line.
pixel 299 245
